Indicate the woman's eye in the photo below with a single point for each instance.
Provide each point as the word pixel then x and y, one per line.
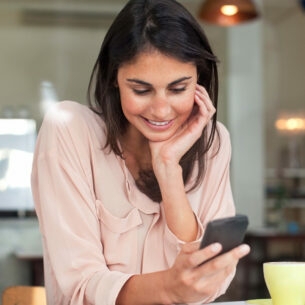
pixel 178 90
pixel 140 91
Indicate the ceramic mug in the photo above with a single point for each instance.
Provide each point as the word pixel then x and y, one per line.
pixel 285 282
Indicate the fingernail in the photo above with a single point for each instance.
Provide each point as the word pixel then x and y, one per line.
pixel 216 247
pixel 243 249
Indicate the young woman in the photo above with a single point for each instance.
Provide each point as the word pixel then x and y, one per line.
pixel 124 188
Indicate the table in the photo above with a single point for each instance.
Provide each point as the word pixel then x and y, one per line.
pixel 230 303
pixel 35 260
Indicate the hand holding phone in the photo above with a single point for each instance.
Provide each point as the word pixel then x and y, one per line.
pixel 229 232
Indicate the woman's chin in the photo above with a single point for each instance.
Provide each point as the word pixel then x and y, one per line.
pixel 158 138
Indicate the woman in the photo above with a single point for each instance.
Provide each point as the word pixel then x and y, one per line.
pixel 124 189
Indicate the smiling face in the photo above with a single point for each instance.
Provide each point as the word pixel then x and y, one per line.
pixel 157 94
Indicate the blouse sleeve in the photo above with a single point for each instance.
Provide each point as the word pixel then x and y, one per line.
pixel 66 208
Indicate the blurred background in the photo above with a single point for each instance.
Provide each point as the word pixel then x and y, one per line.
pixel 47 51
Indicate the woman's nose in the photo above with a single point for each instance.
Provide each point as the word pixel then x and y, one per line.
pixel 160 107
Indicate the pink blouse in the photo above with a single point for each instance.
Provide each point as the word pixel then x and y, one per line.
pixel 97 228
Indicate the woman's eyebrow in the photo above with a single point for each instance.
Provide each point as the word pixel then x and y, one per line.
pixel 138 81
pixel 141 82
pixel 179 80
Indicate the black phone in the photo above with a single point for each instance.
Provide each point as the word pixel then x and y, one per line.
pixel 229 232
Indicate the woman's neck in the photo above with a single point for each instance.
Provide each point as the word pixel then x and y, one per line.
pixel 136 151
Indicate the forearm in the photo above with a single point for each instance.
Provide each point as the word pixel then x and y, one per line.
pixel 145 289
pixel 178 212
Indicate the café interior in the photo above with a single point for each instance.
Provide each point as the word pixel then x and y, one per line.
pixel 47 52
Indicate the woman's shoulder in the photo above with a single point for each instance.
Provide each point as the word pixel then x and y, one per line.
pixel 222 131
pixel 67 113
pixel 70 119
pixel 221 141
pixel 221 136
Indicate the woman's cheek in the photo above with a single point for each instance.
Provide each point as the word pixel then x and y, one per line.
pixel 186 104
pixel 130 103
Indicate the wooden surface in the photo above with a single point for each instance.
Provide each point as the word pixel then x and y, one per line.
pixel 24 295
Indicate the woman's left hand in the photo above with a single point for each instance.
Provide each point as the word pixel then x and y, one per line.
pixel 175 147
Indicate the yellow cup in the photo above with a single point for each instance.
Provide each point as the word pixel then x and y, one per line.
pixel 285 282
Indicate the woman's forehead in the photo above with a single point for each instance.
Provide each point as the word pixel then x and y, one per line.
pixel 153 56
pixel 153 65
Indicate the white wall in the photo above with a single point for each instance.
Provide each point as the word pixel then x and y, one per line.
pixel 32 54
pixel 246 119
pixel 284 62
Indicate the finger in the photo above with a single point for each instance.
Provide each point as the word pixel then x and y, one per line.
pixel 224 263
pixel 219 268
pixel 205 254
pixel 205 103
pixel 214 282
pixel 230 258
pixel 241 251
pixel 202 91
pixel 205 112
pixel 204 100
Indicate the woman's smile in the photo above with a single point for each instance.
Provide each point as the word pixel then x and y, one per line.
pixel 160 125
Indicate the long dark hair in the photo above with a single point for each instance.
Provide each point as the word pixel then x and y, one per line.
pixel 164 25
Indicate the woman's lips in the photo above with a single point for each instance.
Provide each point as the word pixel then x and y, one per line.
pixel 160 125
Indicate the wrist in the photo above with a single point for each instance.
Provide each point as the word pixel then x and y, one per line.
pixel 167 296
pixel 167 172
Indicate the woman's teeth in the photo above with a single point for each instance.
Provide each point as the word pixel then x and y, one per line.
pixel 158 123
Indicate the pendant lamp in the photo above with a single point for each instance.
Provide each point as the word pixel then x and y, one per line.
pixel 228 12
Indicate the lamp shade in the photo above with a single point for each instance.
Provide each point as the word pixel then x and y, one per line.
pixel 227 12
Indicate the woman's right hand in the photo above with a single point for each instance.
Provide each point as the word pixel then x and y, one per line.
pixel 191 281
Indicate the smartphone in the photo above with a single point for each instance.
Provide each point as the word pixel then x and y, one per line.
pixel 229 232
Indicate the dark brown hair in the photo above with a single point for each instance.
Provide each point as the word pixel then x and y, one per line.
pixel 164 25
